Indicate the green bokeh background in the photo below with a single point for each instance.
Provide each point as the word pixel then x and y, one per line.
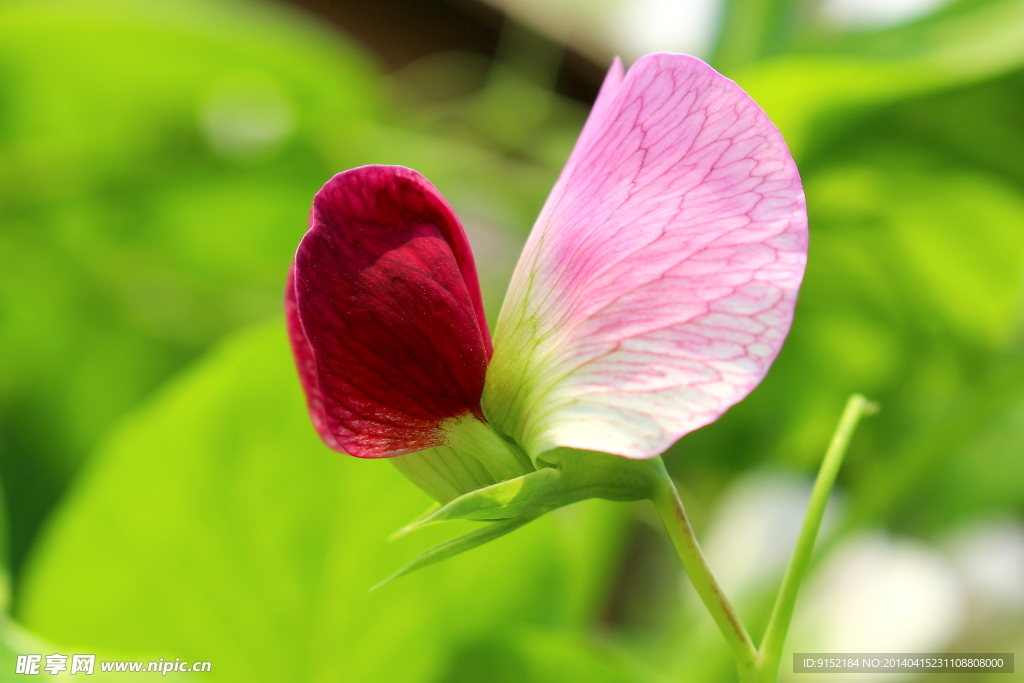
pixel 165 493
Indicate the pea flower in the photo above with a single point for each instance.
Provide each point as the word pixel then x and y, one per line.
pixel 654 292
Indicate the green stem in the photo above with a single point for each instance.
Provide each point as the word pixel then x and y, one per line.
pixel 782 614
pixel 670 507
pixel 759 666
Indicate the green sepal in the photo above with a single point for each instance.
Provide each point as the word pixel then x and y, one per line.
pixel 571 476
pixel 461 544
pixel 426 513
pixel 472 456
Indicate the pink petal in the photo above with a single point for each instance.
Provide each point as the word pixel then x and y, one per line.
pixel 384 314
pixel 659 282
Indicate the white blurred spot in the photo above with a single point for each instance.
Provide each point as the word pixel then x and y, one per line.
pixel 754 528
pixel 637 27
pixel 878 594
pixel 246 117
pixel 990 557
pixel 875 13
pixel 629 28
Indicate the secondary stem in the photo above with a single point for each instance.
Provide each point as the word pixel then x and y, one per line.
pixel 670 507
pixel 775 635
pixel 759 666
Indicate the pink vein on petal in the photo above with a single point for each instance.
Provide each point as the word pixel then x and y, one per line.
pixel 659 281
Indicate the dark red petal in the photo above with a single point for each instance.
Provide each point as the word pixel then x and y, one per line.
pixel 305 363
pixel 387 323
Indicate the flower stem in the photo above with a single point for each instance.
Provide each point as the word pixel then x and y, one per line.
pixel 670 507
pixel 752 665
pixel 778 625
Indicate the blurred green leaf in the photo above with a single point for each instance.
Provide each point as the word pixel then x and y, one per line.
pixel 544 656
pixel 157 163
pixel 812 95
pixel 214 525
pixel 156 167
pixel 968 467
pixel 14 641
pixel 133 233
pixel 987 475
pixel 5 572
